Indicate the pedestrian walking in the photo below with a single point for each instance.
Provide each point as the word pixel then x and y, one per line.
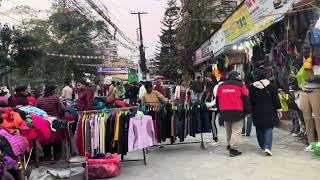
pixel 247 123
pixel 233 103
pixel 266 110
pixel 198 88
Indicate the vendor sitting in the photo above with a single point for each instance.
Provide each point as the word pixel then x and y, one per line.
pixel 152 97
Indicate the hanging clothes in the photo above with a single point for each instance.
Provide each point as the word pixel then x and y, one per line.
pixel 141 133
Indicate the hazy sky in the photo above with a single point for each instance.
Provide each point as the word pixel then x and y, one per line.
pixel 120 14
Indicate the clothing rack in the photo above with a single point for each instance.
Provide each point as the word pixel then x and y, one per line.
pixel 202 146
pixel 118 110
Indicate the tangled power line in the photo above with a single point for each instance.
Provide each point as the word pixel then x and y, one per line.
pixel 97 12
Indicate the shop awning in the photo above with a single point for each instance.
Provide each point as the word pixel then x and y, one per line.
pixel 110 70
pixel 250 18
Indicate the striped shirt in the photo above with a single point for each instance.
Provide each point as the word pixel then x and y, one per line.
pixel 50 105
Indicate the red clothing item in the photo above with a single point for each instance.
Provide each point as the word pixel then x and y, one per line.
pixel 18 100
pixel 159 88
pixel 4 99
pixel 85 100
pixel 117 103
pixel 79 135
pixel 32 101
pixel 230 96
pixel 42 127
pixel 50 105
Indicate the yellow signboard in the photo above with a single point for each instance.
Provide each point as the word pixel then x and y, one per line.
pixel 237 24
pixel 264 24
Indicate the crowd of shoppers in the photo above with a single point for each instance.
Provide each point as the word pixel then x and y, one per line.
pixel 236 102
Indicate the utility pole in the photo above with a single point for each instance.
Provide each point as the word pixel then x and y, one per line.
pixel 142 63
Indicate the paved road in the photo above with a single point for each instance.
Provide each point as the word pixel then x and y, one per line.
pixel 190 162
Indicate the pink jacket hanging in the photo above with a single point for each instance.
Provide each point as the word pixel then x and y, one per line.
pixel 141 133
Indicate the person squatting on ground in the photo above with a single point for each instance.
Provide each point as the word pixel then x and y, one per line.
pixel 266 109
pixel 233 103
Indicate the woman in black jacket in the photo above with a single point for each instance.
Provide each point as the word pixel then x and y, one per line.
pixel 266 109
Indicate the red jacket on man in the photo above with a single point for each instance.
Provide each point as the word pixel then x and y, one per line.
pixel 232 96
pixel 85 100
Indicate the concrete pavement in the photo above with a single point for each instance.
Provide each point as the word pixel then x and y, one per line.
pixel 190 162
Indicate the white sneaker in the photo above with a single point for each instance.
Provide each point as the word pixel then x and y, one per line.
pixel 309 148
pixel 268 152
pixel 213 144
pixel 294 135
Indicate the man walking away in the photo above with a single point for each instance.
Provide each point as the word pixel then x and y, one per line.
pixel 232 100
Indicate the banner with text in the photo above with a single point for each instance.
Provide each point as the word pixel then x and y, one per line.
pixel 264 13
pixel 239 23
pixel 217 42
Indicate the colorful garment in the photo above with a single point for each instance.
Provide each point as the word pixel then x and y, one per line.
pixel 18 143
pixel 141 133
pixel 34 110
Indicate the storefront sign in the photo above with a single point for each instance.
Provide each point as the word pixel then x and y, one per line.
pixel 217 41
pixel 206 49
pixel 259 9
pixel 113 70
pixel 264 13
pixel 237 24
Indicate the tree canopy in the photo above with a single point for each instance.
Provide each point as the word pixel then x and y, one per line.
pixel 166 62
pixel 26 47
